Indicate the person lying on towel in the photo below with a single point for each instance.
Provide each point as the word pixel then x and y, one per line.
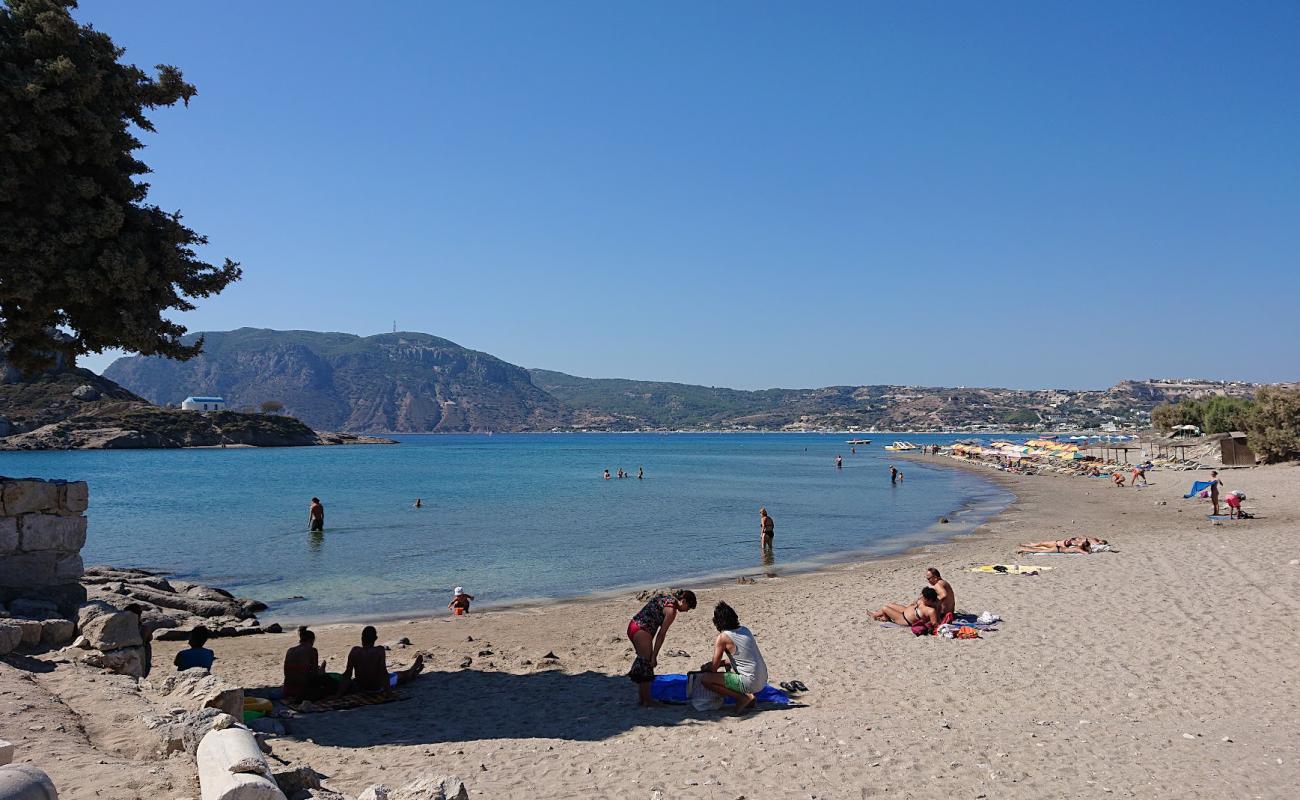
pixel 1075 544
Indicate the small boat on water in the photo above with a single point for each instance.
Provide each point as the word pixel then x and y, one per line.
pixel 857 441
pixel 901 446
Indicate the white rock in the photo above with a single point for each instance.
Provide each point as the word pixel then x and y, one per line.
pixel 218 752
pixel 441 788
pixel 123 660
pixel 375 792
pixel 195 689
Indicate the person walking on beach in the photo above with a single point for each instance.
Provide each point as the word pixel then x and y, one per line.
pixel 1215 485
pixel 767 528
pixel 316 516
pixel 647 631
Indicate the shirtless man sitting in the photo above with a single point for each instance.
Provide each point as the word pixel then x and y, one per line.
pixel 367 669
pixel 925 610
pixel 947 599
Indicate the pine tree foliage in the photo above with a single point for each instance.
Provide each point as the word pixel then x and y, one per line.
pixel 86 263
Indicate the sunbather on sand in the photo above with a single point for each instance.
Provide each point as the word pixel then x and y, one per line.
pixel 367 669
pixel 1077 544
pixel 925 611
pixel 304 674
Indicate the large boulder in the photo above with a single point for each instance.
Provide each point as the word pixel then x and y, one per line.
pixel 295 778
pixel 123 660
pixel 440 788
pixel 26 782
pixel 108 628
pixel 86 393
pixel 195 689
pixel 31 631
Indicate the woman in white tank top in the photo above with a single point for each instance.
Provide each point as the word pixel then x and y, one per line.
pixel 747 672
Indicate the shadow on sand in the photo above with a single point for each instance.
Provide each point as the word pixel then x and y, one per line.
pixel 469 705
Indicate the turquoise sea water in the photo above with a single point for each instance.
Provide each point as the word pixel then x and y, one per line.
pixel 509 517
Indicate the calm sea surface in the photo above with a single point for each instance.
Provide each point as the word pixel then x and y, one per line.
pixel 509 517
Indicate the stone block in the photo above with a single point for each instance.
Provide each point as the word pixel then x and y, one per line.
pixel 6 752
pixel 8 535
pixel 29 495
pixel 31 629
pixel 51 532
pixel 33 609
pixel 57 632
pixel 74 497
pixel 68 567
pixel 26 782
pixel 11 636
pixel 28 569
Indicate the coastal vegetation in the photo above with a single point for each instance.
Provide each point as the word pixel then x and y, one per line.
pixel 1271 420
pixel 89 263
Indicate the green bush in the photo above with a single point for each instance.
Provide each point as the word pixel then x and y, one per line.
pixel 1273 425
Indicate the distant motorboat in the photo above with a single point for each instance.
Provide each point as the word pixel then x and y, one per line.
pixel 901 446
pixel 857 441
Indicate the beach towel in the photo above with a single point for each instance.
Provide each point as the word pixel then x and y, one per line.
pixel 672 689
pixel 1218 517
pixel 958 621
pixel 1009 569
pixel 1197 488
pixel 345 701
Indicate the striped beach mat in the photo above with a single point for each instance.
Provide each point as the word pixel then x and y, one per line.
pixel 345 701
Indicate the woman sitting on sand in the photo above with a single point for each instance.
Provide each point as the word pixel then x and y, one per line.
pixel 647 631
pixel 747 672
pixel 304 673
pixel 924 612
pixel 1076 544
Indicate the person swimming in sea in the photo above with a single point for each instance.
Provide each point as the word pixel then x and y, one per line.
pixel 640 473
pixel 606 474
pixel 419 503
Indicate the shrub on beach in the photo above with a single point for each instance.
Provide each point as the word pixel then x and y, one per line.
pixel 1273 424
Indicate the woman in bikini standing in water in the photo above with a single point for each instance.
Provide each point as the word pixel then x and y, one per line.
pixel 647 631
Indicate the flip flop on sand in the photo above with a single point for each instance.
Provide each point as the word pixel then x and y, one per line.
pixel 799 686
pixel 788 687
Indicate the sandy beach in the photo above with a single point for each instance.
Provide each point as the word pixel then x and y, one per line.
pixel 1166 669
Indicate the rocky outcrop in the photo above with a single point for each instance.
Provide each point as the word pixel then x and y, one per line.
pixel 172 607
pixel 196 690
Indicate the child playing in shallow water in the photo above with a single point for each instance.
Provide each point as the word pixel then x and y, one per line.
pixel 459 604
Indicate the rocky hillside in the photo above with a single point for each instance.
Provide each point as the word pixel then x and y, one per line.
pixel 398 382
pixel 414 382
pixel 67 407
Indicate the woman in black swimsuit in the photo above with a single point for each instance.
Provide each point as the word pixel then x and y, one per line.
pixel 924 611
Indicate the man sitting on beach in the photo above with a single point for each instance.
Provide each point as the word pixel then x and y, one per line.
pixel 367 669
pixel 947 599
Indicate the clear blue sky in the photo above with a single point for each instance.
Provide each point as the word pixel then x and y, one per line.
pixel 750 194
